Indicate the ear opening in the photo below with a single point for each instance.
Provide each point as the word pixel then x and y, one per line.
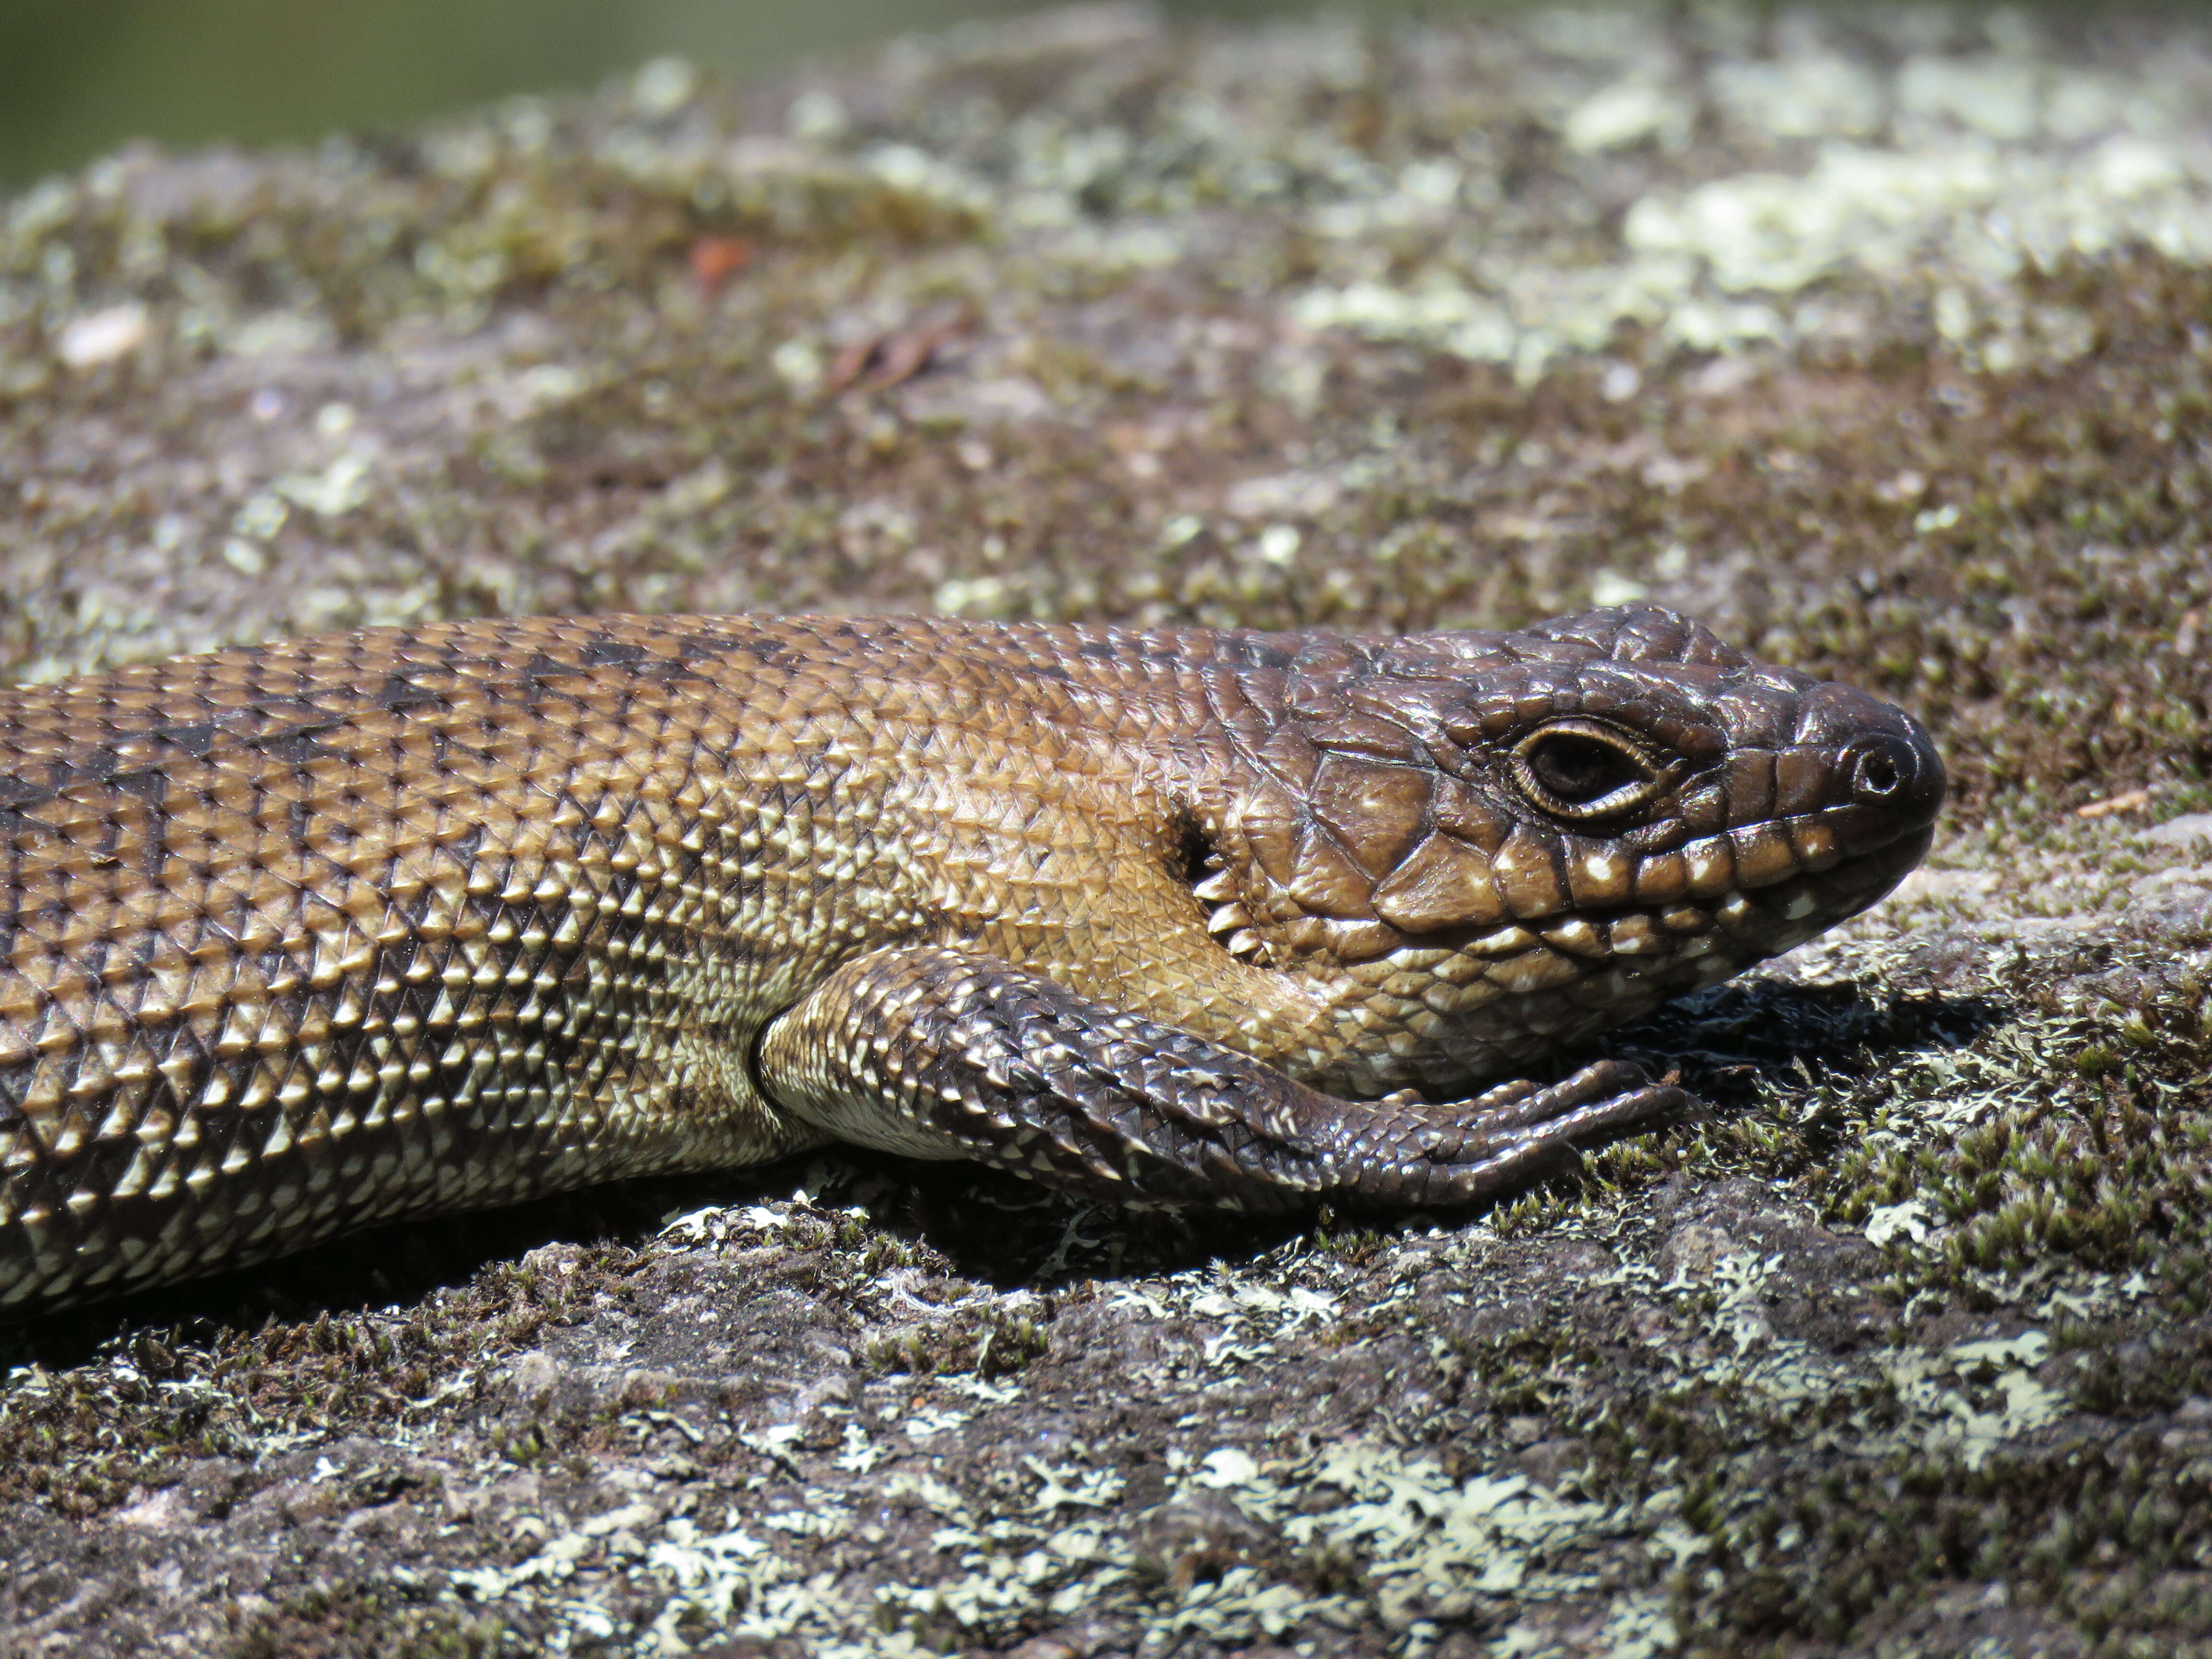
pixel 1206 873
pixel 1196 855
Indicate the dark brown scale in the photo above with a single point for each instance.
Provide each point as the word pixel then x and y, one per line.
pixel 341 930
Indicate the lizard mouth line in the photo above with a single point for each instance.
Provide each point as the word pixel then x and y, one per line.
pixel 1791 904
pixel 1471 995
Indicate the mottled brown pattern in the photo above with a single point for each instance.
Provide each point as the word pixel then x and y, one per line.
pixel 343 929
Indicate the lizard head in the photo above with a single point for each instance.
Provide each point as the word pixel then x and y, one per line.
pixel 1486 845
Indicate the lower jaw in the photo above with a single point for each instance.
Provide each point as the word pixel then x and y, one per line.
pixel 1528 1030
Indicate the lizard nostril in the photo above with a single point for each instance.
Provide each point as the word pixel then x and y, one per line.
pixel 1887 787
pixel 1883 770
pixel 1875 777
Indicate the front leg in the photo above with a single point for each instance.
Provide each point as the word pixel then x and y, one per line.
pixel 938 1052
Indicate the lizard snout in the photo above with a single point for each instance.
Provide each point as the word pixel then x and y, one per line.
pixel 1897 774
pixel 1885 775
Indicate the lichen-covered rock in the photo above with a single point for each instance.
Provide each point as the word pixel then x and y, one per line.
pixel 1883 345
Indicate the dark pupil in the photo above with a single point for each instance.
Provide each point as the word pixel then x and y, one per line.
pixel 1580 770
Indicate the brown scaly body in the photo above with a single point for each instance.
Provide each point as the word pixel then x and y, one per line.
pixel 300 938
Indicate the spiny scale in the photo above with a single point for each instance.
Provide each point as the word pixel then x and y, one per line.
pixel 299 939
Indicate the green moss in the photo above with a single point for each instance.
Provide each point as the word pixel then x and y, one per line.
pixel 989 1344
pixel 341 1617
pixel 82 1436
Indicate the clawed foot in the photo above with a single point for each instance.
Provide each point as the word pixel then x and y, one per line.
pixel 1416 1154
pixel 936 1052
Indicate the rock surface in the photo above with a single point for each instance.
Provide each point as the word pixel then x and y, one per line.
pixel 1881 345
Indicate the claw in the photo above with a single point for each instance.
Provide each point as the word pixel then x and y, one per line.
pixel 1503 1137
pixel 1606 1080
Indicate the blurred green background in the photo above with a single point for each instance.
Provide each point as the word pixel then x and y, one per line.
pixel 78 78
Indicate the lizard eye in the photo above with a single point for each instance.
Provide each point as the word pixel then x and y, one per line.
pixel 1577 769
